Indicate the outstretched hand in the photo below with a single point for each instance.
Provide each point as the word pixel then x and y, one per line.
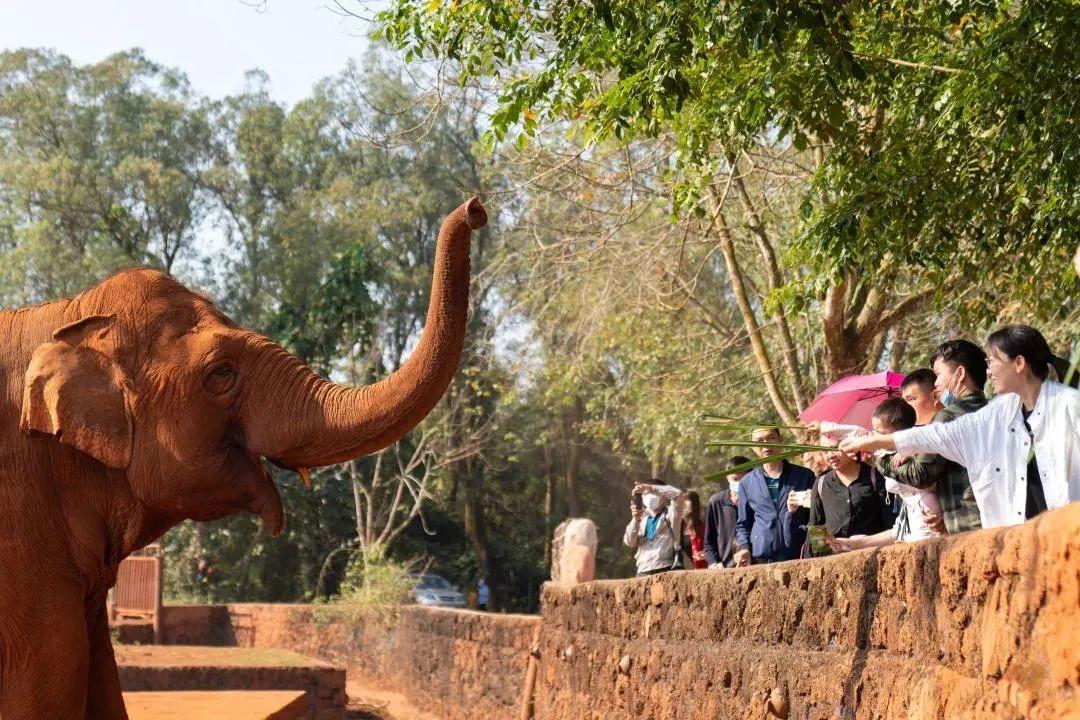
pixel 865 443
pixel 838 545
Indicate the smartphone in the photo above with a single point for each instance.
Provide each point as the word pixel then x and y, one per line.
pixel 802 497
pixel 638 502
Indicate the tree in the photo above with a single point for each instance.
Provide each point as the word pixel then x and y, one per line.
pixel 99 169
pixel 928 137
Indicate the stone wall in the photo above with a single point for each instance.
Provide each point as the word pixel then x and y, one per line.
pixel 982 625
pixel 195 625
pixel 453 663
pixel 978 626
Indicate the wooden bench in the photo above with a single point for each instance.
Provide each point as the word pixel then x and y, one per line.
pixel 137 593
pixel 216 704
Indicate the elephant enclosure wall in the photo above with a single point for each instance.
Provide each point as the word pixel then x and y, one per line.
pixel 452 663
pixel 983 625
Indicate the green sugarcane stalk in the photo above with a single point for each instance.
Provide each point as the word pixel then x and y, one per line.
pixel 1075 357
pixel 751 422
pixel 729 426
pixel 801 447
pixel 750 465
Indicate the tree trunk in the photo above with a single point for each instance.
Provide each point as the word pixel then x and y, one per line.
pixel 244 568
pixel 572 459
pixel 898 353
pixel 476 529
pixel 320 582
pixel 549 503
pixel 753 329
pixel 776 281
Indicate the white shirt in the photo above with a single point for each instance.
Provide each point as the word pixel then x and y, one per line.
pixel 658 553
pixel 993 445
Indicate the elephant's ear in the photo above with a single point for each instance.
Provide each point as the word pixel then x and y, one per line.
pixel 75 391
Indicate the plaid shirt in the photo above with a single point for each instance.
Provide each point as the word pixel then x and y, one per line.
pixel 953 487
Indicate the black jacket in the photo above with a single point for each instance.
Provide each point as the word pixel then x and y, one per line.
pixel 861 508
pixel 720 517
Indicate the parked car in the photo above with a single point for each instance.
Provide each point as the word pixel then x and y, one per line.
pixel 435 590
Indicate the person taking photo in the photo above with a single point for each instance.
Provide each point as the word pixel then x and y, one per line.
pixel 655 527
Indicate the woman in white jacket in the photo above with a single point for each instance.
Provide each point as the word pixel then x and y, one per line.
pixel 1022 451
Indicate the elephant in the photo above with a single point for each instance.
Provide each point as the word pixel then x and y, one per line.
pixel 138 404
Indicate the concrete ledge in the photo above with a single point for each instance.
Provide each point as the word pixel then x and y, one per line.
pixel 235 705
pixel 181 668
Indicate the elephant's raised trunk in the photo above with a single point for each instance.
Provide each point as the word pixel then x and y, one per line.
pixel 300 420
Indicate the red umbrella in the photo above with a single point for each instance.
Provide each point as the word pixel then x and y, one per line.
pixel 851 400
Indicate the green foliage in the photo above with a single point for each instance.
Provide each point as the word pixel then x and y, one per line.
pixel 945 132
pixel 337 316
pixel 99 170
pixel 373 581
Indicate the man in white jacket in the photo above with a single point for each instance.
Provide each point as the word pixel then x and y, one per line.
pixel 1022 450
pixel 654 530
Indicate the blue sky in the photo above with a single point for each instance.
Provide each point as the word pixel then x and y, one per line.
pixel 214 41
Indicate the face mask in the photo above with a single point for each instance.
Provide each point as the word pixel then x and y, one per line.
pixel 652 501
pixel 947 398
pixel 734 485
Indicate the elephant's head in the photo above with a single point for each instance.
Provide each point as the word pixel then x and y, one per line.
pixel 151 379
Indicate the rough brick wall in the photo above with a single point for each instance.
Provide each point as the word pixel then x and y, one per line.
pixel 195 625
pixel 453 663
pixel 983 625
pixel 979 626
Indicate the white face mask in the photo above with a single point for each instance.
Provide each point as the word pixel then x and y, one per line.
pixel 652 501
pixel 734 486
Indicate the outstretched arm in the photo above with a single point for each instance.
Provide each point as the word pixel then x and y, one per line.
pixel 868 443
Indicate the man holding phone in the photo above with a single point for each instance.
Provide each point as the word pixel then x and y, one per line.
pixel 654 528
pixel 772 521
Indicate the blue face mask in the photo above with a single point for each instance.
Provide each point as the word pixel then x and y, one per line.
pixel 947 398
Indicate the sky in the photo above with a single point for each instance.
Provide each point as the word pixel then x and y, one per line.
pixel 297 42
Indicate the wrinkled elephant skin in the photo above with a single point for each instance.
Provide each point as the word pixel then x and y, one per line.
pixel 136 405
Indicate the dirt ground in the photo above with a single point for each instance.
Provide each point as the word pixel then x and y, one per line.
pixel 370 703
pixel 192 656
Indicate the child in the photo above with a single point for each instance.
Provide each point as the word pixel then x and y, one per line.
pixel 891 415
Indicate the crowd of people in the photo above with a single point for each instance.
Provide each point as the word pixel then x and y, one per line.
pixel 940 459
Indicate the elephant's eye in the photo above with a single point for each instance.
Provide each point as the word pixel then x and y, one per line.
pixel 221 379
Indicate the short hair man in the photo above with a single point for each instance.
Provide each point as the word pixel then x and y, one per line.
pixel 960 374
pixel 850 499
pixel 772 524
pixel 721 514
pixel 918 391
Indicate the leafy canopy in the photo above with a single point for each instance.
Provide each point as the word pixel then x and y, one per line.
pixel 943 133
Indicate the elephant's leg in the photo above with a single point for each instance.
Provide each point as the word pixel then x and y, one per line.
pixel 104 700
pixel 45 666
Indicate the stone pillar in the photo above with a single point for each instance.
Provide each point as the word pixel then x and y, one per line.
pixel 573 554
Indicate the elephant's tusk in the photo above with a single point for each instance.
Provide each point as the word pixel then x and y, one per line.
pixel 305 475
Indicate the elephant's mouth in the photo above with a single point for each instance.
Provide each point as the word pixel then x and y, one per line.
pixel 265 498
pixel 270 510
